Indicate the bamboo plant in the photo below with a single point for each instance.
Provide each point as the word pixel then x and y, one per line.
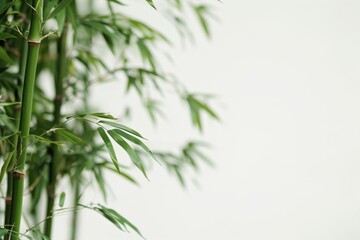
pixel 44 142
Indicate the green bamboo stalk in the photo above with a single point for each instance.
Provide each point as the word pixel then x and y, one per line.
pixel 60 75
pixel 34 41
pixel 23 48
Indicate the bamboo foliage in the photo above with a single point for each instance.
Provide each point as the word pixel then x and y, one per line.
pixel 43 143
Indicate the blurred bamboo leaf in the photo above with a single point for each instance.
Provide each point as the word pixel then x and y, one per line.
pixel 5 165
pixel 60 7
pixel 62 199
pixel 114 217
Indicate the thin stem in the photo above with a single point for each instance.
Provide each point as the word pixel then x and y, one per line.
pixel 61 73
pixel 25 116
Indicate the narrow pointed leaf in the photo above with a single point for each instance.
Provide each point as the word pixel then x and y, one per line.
pixel 60 7
pixel 5 104
pixel 70 136
pixel 62 199
pixel 123 127
pixel 132 154
pixel 151 3
pixel 110 147
pixel 5 57
pixel 118 220
pixel 4 36
pixel 134 140
pixel 5 165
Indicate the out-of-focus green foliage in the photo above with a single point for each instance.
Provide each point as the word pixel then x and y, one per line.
pixel 81 141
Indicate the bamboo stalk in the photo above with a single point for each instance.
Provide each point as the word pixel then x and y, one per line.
pixel 61 73
pixel 34 41
pixel 23 48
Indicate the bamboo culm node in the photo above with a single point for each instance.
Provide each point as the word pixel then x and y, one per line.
pixel 18 174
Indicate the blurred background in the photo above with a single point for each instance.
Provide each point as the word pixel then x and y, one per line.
pixel 286 76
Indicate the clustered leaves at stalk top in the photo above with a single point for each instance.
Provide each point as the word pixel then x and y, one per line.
pixel 85 139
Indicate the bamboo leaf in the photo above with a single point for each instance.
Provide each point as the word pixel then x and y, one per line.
pixel 128 177
pixel 60 7
pixel 4 36
pixel 3 231
pixel 5 7
pixel 70 136
pixel 95 114
pixel 62 199
pixel 134 140
pixel 36 138
pixel 5 165
pixel 122 127
pixel 117 2
pixel 179 176
pixel 207 109
pixel 5 104
pixel 151 3
pixel 100 181
pixel 146 53
pixel 3 138
pixel 200 12
pixel 132 154
pixel 110 147
pixel 49 6
pixel 103 115
pixel 5 57
pixel 60 18
pixel 118 220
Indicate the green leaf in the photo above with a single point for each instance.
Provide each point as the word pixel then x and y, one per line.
pixel 4 36
pixel 70 136
pixel 134 140
pixel 146 53
pixel 123 127
pixel 118 220
pixel 5 7
pixel 200 12
pixel 3 231
pixel 96 114
pixel 60 18
pixel 151 3
pixel 132 154
pixel 5 57
pixel 49 6
pixel 36 138
pixel 5 104
pixel 62 199
pixel 3 138
pixel 5 165
pixel 110 147
pixel 179 176
pixel 103 115
pixel 117 2
pixel 128 177
pixel 61 6
pixel 196 107
pixel 100 180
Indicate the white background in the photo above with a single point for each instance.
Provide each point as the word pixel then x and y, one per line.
pixel 286 74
